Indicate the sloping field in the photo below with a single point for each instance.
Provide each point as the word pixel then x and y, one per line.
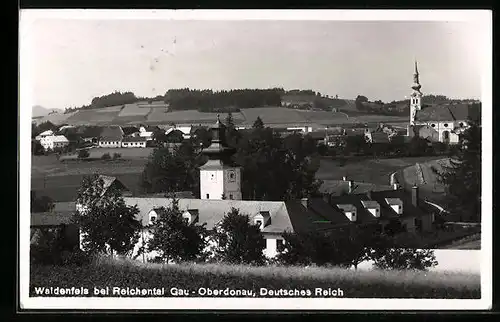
pixel 92 117
pixel 324 117
pixel 134 110
pixel 130 120
pixel 190 116
pixel 108 109
pixel 272 115
pixel 56 118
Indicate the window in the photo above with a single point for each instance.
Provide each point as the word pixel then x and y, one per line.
pixel 258 222
pixel 461 124
pixel 280 245
pixel 433 125
pixel 153 219
pixel 186 221
pixel 446 125
pixel 231 196
pixel 208 196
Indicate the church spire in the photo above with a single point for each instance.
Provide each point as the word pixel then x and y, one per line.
pixel 416 83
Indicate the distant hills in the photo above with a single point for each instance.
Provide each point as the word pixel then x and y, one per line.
pixel 40 111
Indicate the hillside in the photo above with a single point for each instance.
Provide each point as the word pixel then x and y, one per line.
pixel 40 111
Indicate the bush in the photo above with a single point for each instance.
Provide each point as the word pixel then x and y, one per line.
pixel 83 154
pixel 106 156
pixel 116 156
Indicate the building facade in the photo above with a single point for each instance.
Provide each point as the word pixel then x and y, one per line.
pixel 440 123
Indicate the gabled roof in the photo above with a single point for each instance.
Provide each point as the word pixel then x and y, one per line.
pixel 370 203
pixel 111 133
pixel 284 216
pixel 134 139
pixel 446 112
pixel 408 209
pixel 58 138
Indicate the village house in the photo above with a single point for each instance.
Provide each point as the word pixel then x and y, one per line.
pixel 134 142
pixel 52 142
pixel 442 123
pixel 111 137
pixel 44 134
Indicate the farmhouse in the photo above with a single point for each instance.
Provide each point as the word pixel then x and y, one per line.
pixel 111 137
pixel 444 122
pixel 134 142
pixel 44 134
pixel 52 142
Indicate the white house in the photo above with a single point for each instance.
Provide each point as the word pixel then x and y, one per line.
pixel 111 137
pixel 52 142
pixel 145 133
pixel 44 134
pixel 134 142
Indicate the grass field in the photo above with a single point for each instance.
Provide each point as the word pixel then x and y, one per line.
pixel 354 284
pixel 369 170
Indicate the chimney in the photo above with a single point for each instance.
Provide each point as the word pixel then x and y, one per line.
pixel 351 186
pixel 304 202
pixel 395 186
pixel 344 178
pixel 414 196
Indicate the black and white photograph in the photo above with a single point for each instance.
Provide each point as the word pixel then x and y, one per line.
pixel 255 160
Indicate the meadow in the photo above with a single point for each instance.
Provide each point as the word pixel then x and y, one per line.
pixel 353 283
pixel 61 180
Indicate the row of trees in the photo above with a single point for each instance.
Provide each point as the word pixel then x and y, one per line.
pixel 273 168
pixel 110 226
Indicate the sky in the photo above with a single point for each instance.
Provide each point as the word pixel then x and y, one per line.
pixel 72 61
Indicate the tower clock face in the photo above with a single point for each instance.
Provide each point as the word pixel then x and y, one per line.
pixel 232 176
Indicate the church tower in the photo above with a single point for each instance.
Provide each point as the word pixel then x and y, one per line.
pixel 416 96
pixel 219 177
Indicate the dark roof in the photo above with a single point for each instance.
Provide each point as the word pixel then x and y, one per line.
pixel 50 219
pixel 111 133
pixel 134 139
pixel 363 215
pixel 409 210
pixel 127 130
pixel 319 216
pixel 446 112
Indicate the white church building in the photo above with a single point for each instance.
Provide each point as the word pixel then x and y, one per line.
pixel 437 123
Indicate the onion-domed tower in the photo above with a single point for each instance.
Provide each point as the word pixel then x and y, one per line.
pixel 219 176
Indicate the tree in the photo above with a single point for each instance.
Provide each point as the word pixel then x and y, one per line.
pixel 234 240
pixel 106 222
pixel 41 204
pixel 360 99
pixel 404 258
pixel 83 154
pixel 258 124
pixel 172 170
pixel 173 238
pixel 462 177
pixel 418 147
pixel 36 148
